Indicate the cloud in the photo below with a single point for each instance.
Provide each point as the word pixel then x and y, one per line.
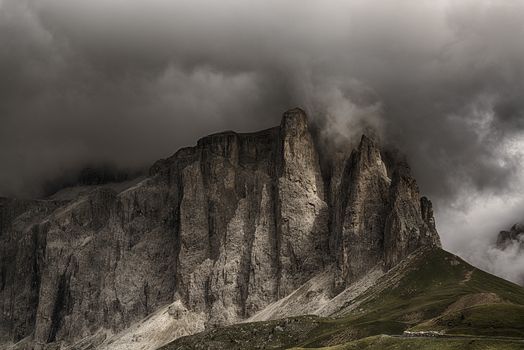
pixel 128 82
pixel 506 261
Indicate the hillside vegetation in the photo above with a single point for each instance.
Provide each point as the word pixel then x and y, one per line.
pixel 432 290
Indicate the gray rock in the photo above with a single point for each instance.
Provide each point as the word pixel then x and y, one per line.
pixel 360 212
pixel 223 228
pixel 514 235
pixel 302 212
pixel 410 223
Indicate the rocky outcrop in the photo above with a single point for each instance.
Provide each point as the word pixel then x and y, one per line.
pixel 508 252
pixel 409 223
pixel 302 212
pixel 514 236
pixel 360 211
pixel 221 229
pixel 378 217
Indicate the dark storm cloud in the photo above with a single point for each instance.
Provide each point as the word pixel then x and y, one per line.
pixel 128 82
pixel 446 77
pixel 77 88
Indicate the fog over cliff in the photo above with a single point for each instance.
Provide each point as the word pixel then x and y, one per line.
pixel 127 82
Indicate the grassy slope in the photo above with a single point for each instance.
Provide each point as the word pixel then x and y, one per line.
pixel 390 343
pixel 415 296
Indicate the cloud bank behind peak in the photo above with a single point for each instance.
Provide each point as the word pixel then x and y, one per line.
pixel 128 82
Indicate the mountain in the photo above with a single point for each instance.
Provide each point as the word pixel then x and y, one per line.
pixel 239 228
pixel 506 256
pixel 514 236
pixel 430 291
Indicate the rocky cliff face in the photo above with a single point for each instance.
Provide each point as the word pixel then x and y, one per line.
pixel 223 229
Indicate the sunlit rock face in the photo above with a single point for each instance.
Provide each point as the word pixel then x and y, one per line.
pixel 223 229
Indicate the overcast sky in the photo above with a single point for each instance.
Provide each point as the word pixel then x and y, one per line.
pixel 128 82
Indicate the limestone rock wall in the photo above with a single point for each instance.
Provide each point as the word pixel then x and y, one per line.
pixel 302 211
pixel 359 221
pixel 223 228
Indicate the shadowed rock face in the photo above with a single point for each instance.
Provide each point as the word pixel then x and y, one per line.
pixel 514 235
pixel 224 228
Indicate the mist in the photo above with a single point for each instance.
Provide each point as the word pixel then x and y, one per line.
pixel 128 82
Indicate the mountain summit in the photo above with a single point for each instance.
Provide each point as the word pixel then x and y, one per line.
pixel 217 234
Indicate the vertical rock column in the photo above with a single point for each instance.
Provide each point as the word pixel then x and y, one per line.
pixel 361 211
pixel 193 265
pixel 302 213
pixel 410 222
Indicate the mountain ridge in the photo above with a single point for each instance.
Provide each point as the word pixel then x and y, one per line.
pixel 430 292
pixel 223 229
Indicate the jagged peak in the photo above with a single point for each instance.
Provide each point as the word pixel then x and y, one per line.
pixel 368 155
pixel 518 227
pixel 368 146
pixel 294 119
pixel 505 238
pixel 366 140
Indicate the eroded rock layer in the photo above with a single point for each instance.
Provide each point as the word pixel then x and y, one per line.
pixel 222 229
